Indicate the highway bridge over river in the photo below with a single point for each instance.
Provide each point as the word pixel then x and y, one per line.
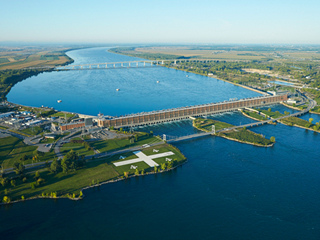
pixel 175 114
pixel 131 64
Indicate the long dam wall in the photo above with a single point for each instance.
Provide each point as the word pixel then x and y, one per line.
pixel 175 114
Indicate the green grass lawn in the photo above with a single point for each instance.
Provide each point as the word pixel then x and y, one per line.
pixel 120 143
pixel 77 147
pixel 178 156
pixel 3 127
pixel 247 136
pixel 13 149
pixel 33 130
pixel 99 169
pixel 271 114
pixel 47 140
pixel 206 124
pixel 62 183
pixel 296 121
pixel 316 109
pixel 61 114
pixel 255 115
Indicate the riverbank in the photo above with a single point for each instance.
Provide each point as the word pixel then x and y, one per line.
pixel 49 184
pixel 239 135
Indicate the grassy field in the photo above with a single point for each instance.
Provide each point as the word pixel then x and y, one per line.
pixel 271 114
pixel 246 136
pixel 296 121
pixel 32 131
pixel 77 147
pixel 149 151
pixel 255 115
pixel 243 135
pixel 35 57
pixel 98 170
pixel 206 124
pixel 63 183
pixel 61 114
pixel 13 149
pixel 188 52
pixel 120 143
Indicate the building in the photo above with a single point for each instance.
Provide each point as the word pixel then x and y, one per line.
pixel 70 126
pixel 8 114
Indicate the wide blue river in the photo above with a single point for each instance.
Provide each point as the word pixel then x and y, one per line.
pixel 227 190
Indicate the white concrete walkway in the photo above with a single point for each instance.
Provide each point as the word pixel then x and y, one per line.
pixel 144 158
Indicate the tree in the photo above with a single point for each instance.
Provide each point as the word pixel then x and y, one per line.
pixel 126 174
pixel 81 194
pixel 69 161
pixel 142 172
pixel 269 109
pixel 155 169
pixel 310 120
pixel 163 166
pixel 137 172
pixel 13 183
pixel 307 125
pixel 55 166
pixel 18 168
pixel 37 175
pixel 6 199
pixel 244 128
pixel 272 139
pixel 4 181
pixel 170 165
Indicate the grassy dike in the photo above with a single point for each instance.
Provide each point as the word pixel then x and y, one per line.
pixel 94 173
pixel 293 121
pixel 239 135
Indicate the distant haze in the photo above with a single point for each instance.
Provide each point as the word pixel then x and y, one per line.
pixel 208 21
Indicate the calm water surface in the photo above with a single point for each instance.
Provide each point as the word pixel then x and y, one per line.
pixel 227 190
pixel 94 91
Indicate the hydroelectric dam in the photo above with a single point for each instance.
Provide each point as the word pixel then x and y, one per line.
pixel 175 114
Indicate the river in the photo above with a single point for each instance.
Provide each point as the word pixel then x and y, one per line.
pixel 226 190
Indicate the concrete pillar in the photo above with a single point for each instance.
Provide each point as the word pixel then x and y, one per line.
pixel 106 65
pixel 121 64
pixel 175 61
pixel 89 66
pixel 129 64
pixel 98 66
pixel 162 62
pixel 114 65
pixel 137 64
pixel 144 63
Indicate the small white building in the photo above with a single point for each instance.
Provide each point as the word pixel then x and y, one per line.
pixel 291 101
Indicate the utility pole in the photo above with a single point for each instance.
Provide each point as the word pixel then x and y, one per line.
pixel 214 129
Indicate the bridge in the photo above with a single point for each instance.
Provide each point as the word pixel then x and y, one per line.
pixel 128 64
pixel 203 134
pixel 175 114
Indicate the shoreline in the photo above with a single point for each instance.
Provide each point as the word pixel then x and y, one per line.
pixel 96 185
pixel 233 139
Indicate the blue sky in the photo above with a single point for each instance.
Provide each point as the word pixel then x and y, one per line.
pixel 164 21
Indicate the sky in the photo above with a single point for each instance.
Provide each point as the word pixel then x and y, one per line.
pixel 163 21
